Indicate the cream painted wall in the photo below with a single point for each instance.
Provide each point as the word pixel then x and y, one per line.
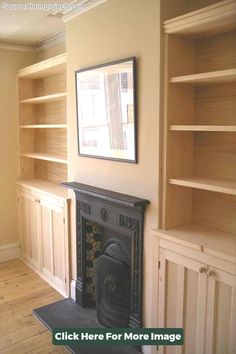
pixel 114 30
pixel 10 62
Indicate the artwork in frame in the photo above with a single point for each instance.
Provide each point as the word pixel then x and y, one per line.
pixel 106 111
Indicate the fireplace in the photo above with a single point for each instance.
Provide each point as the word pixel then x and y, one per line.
pixel 109 237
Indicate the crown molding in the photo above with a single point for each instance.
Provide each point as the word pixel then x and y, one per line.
pixel 17 47
pixel 80 7
pixel 46 43
pixel 52 41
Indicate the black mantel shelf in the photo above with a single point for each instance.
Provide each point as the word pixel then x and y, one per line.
pixel 114 197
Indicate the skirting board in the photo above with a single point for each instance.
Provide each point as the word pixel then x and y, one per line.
pixel 9 251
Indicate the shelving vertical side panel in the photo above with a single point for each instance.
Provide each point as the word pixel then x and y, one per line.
pixel 178 147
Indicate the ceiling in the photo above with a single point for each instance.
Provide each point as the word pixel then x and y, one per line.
pixel 29 27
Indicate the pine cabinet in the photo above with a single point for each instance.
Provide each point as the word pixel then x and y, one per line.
pixel 201 299
pixel 44 236
pixel 28 228
pixel 196 282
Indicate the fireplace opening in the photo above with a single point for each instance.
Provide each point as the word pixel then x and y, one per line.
pixel 112 286
pixel 108 274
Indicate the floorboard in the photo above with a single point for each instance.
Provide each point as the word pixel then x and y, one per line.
pixel 22 290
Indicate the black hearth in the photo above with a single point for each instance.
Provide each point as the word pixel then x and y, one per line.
pixel 109 238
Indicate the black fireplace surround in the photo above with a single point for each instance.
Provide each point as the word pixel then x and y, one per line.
pixel 109 238
pixel 109 229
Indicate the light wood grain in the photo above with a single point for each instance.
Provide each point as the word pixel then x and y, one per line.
pixel 20 331
pixel 203 239
pixel 216 53
pixel 44 99
pixel 45 68
pixel 43 126
pixel 45 156
pixel 208 184
pixel 45 187
pixel 213 77
pixel 215 104
pixel 210 20
pixel 204 128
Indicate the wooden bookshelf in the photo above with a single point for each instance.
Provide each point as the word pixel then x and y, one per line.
pixel 215 77
pixel 43 126
pixel 211 20
pixel 49 67
pixel 208 184
pixel 43 123
pixel 199 154
pixel 44 99
pixel 204 128
pixel 195 245
pixel 46 157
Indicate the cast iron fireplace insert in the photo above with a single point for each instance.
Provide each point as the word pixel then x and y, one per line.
pixel 109 284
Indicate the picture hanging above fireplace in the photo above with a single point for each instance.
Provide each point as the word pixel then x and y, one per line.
pixel 106 111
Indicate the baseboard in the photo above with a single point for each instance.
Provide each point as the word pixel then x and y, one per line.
pixel 9 251
pixel 73 290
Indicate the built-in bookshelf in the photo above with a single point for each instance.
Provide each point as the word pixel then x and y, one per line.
pixel 43 125
pixel 199 166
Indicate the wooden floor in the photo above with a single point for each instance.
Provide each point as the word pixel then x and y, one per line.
pixel 22 290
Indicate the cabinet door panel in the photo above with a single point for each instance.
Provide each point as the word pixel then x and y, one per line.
pixel 52 230
pixel 221 313
pixel 182 300
pixel 29 229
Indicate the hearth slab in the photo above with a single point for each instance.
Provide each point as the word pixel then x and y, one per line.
pixel 68 314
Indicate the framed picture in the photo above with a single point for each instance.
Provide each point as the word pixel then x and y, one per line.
pixel 106 111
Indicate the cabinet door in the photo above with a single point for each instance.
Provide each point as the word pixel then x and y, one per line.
pixel 182 300
pixel 28 228
pixel 221 313
pixel 53 233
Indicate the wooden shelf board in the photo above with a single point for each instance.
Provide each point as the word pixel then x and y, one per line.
pixel 204 239
pixel 43 99
pixel 45 68
pixel 43 126
pixel 210 20
pixel 46 157
pixel 45 186
pixel 204 128
pixel 212 77
pixel 209 184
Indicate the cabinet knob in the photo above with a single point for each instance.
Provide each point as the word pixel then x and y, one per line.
pixel 210 272
pixel 202 270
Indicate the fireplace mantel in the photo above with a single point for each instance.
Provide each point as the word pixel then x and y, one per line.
pixel 107 195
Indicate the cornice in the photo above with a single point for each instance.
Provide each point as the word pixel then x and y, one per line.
pixel 51 41
pixel 80 7
pixel 18 47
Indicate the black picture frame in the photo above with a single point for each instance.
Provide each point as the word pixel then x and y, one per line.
pixel 106 81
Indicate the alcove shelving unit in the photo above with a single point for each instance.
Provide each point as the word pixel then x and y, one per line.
pixel 199 175
pixel 43 205
pixel 43 125
pixel 195 285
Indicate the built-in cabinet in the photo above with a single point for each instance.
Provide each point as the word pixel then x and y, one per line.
pixel 43 229
pixel 42 202
pixel 199 296
pixel 196 272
